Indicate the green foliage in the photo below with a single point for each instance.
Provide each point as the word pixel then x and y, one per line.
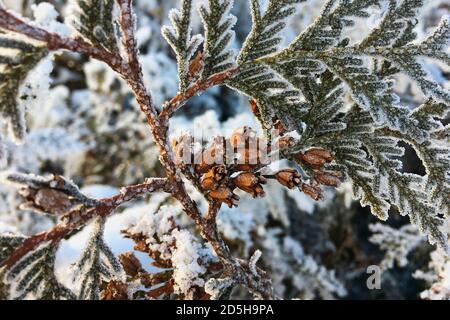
pixel 218 36
pixel 18 57
pixel 96 264
pixel 8 242
pixel 336 94
pixel 181 40
pixel 33 276
pixel 265 36
pixel 404 190
pixel 306 86
pixel 272 93
pixel 94 19
pixel 323 67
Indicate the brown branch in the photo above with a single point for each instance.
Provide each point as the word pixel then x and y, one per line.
pixel 82 216
pixel 56 42
pixel 127 24
pixel 180 99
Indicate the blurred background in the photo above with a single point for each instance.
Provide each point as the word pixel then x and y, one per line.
pixel 87 127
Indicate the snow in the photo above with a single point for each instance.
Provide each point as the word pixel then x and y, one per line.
pixel 438 278
pixel 34 91
pixel 215 287
pixel 185 257
pixel 253 261
pixel 45 16
pixel 178 246
pixel 49 143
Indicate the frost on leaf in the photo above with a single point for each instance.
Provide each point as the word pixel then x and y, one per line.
pixel 8 242
pixel 33 276
pixel 318 70
pixel 265 36
pixel 405 190
pixel 219 36
pixel 397 243
pixel 94 20
pixel 434 153
pixel 17 59
pixel 272 93
pixel 287 259
pixel 396 32
pixel 396 28
pixel 97 264
pixel 180 38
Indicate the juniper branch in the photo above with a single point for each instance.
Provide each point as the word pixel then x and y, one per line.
pixel 80 217
pixel 55 42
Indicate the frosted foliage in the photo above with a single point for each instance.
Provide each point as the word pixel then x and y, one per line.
pixel 397 244
pixel 178 246
pixel 438 277
pixel 96 264
pixel 94 19
pixel 307 275
pixel 216 287
pixel 185 261
pixel 180 38
pixel 218 35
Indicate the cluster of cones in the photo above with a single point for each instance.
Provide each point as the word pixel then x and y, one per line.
pixel 236 162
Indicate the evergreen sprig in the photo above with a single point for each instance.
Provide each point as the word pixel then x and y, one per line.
pixel 219 35
pixel 305 86
pixel 180 38
pixel 96 265
pixel 33 276
pixel 94 20
pixel 18 58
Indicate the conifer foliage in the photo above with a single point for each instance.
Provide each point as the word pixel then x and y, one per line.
pixel 97 264
pixel 17 59
pixel 95 20
pixel 331 98
pixel 218 36
pixel 180 38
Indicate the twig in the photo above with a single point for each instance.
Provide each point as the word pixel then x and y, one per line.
pixel 82 216
pixel 180 99
pixel 55 42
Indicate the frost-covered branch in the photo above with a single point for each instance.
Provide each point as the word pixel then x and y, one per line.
pixel 80 216
pixel 54 41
